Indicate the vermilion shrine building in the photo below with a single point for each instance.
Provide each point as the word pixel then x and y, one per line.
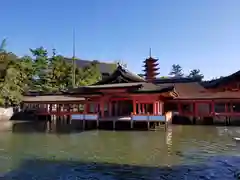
pixel 124 96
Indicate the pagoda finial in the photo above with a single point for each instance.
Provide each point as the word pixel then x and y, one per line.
pixel 150 52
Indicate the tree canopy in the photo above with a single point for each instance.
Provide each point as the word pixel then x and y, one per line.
pixel 176 71
pixel 195 73
pixel 40 72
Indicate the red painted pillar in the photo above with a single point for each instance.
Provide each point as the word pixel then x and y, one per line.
pixel 134 106
pixel 96 107
pixel 162 107
pixel 179 108
pixel 102 108
pixel 231 107
pixel 213 108
pixel 195 108
pixel 110 108
pixel 119 107
pixel 85 107
pixel 139 108
pixel 155 107
pixel 226 108
pixel 143 108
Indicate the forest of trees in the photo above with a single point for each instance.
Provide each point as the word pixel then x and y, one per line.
pixel 43 71
pixel 49 72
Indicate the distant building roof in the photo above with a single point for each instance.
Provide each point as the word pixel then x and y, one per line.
pixel 222 80
pixel 175 80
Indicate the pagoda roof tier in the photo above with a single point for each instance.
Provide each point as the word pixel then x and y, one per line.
pixel 152 73
pixel 152 69
pixel 150 60
pixel 150 65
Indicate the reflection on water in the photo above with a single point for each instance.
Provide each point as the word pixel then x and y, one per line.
pixel 182 152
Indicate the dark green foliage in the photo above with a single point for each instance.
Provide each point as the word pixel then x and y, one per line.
pixel 195 73
pixel 41 73
pixel 176 71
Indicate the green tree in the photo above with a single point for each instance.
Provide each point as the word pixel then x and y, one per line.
pixel 88 75
pixel 176 71
pixel 41 76
pixel 195 73
pixel 60 73
pixel 40 73
pixel 3 59
pixel 12 80
pixel 114 67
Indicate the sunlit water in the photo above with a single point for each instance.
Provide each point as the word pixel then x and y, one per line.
pixel 183 152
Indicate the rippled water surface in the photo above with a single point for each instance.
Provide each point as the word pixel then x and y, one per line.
pixel 183 152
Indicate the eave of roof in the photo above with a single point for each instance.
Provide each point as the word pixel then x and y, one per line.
pixel 112 86
pixel 211 96
pixel 51 98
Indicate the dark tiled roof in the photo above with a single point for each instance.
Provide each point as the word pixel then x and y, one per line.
pixel 222 80
pixel 50 98
pixel 212 96
pixel 121 75
pixel 185 90
pixel 153 88
pixel 117 85
pixel 140 87
pixel 103 67
pixel 197 91
pixel 175 80
pixel 41 93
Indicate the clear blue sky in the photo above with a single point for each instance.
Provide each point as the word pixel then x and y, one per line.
pixel 202 34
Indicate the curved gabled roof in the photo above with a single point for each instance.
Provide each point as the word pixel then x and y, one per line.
pixel 121 75
pixel 222 80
